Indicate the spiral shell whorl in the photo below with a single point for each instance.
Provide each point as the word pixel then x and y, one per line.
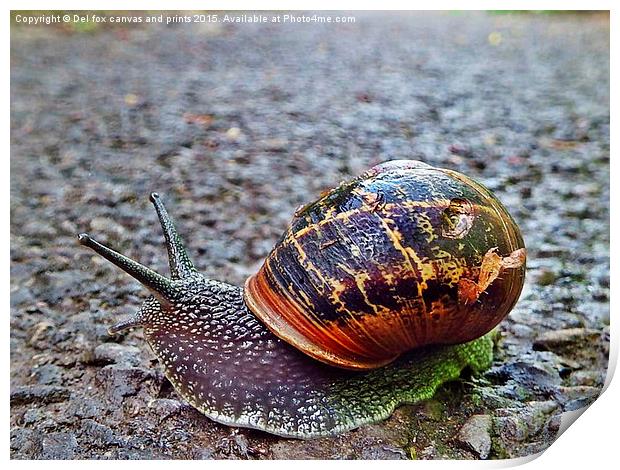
pixel 403 256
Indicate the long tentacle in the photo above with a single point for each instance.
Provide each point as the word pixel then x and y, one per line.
pixel 161 287
pixel 180 264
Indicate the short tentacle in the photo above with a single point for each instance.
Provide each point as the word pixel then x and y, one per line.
pixel 130 322
pixel 161 287
pixel 139 318
pixel 180 264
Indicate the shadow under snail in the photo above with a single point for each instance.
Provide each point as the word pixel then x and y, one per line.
pixel 377 293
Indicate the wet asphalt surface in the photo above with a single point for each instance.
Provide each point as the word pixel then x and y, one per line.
pixel 236 126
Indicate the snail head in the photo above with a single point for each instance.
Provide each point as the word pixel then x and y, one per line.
pixel 167 293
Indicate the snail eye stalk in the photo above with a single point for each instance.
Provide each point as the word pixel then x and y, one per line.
pixel 161 287
pixel 180 265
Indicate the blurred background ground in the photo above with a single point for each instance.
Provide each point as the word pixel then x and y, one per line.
pixel 237 125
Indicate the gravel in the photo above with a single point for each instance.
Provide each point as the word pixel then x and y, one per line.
pixel 236 126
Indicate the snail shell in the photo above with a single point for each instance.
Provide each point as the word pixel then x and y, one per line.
pixel 403 256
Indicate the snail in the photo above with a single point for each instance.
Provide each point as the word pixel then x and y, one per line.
pixel 378 292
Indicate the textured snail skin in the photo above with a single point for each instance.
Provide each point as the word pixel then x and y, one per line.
pixel 228 365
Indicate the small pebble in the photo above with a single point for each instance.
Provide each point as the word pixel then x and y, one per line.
pixel 233 133
pixel 561 340
pixel 26 394
pixel 586 377
pixel 98 434
pixel 113 353
pixel 383 452
pixel 119 381
pixel 475 435
pixel 48 374
pixel 58 446
pixel 546 277
pixel 165 407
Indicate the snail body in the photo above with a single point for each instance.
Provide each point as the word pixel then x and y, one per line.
pixel 367 277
